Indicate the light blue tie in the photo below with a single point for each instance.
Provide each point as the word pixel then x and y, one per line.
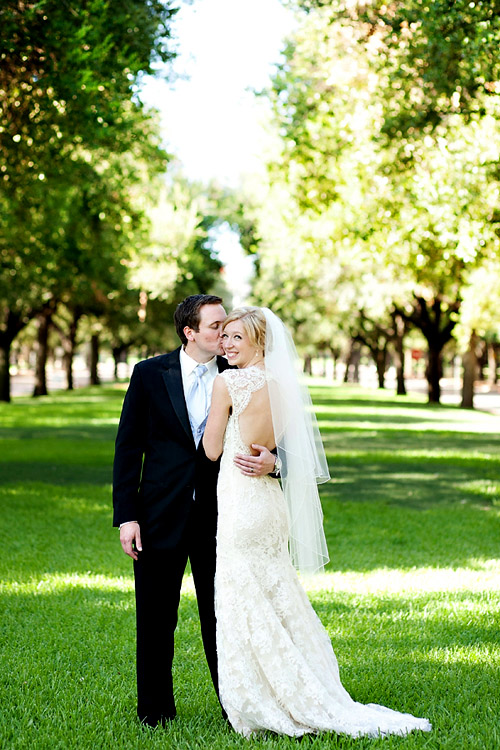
pixel 197 403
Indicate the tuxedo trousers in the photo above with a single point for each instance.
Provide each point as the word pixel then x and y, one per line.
pixel 158 580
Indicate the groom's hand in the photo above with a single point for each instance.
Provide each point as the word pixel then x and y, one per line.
pixel 130 539
pixel 256 466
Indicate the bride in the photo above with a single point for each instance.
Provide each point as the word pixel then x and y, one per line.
pixel 277 668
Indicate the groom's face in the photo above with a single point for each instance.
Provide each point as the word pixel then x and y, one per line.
pixel 206 341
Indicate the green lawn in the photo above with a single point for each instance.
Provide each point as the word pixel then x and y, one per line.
pixel 411 597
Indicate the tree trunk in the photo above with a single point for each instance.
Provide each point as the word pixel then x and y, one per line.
pixel 94 359
pixel 119 355
pixel 433 374
pixel 400 375
pixel 68 341
pixel 436 323
pixel 355 372
pixel 12 324
pixel 116 359
pixel 399 353
pixel 69 354
pixel 335 354
pixel 471 369
pixel 492 364
pixel 5 347
pixel 353 357
pixel 40 388
pixel 348 362
pixel 308 364
pixel 68 366
pixel 380 357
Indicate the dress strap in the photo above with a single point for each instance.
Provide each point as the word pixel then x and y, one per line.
pixel 241 384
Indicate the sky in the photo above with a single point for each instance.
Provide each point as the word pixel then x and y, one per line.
pixel 210 119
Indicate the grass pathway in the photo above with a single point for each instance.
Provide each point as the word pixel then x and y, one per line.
pixel 411 597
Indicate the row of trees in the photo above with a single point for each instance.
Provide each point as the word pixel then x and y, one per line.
pixel 379 219
pixel 92 233
pixel 382 208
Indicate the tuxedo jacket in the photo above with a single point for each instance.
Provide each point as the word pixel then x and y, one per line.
pixel 157 466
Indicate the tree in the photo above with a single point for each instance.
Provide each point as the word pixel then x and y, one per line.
pixel 67 84
pixel 177 260
pixel 66 324
pixel 441 60
pixel 479 321
pixel 422 211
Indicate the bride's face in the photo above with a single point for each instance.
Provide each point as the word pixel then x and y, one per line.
pixel 237 346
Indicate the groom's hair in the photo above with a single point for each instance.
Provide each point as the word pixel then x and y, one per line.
pixel 187 312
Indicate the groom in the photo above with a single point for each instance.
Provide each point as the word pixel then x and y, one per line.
pixel 164 495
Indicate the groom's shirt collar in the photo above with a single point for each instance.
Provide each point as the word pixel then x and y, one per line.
pixel 188 364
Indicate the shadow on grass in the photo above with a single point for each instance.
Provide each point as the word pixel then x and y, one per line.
pixel 398 498
pixel 73 431
pixel 441 443
pixel 340 404
pixel 414 518
pixel 333 420
pixel 58 455
pixel 87 405
pixel 55 474
pixel 417 484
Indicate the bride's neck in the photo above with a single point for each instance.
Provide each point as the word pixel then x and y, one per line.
pixel 254 363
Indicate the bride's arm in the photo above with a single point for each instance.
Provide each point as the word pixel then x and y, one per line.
pixel 213 436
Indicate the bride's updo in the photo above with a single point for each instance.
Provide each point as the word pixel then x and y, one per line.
pixel 254 324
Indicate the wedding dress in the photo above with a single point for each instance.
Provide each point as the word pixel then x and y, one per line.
pixel 277 668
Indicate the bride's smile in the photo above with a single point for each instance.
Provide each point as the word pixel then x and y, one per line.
pixel 238 348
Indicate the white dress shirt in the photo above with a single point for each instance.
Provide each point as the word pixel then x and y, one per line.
pixel 188 365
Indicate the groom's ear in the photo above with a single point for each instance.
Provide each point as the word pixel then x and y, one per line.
pixel 188 333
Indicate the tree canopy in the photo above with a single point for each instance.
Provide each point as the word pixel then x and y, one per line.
pixel 80 177
pixel 384 195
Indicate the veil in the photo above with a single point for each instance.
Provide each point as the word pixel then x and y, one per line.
pixel 299 446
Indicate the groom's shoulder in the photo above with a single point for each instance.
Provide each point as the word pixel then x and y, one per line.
pixel 223 364
pixel 159 362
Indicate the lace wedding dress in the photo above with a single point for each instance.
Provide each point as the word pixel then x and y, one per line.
pixel 277 668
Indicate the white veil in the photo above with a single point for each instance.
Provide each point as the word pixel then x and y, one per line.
pixel 299 447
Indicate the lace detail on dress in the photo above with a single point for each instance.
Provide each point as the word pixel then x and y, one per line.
pixel 241 384
pixel 277 669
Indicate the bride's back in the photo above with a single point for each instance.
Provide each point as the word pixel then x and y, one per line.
pixel 256 424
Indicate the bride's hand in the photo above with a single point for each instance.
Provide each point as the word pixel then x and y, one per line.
pixel 256 466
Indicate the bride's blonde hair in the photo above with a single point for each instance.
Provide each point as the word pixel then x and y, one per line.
pixel 254 324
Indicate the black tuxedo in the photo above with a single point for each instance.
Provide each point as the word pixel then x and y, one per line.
pixel 157 469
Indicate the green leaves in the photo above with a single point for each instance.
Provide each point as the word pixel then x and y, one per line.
pixel 79 150
pixel 384 193
pixel 443 56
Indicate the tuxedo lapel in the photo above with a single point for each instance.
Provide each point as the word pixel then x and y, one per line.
pixel 172 378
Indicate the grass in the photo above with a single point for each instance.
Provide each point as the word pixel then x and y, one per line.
pixel 410 600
